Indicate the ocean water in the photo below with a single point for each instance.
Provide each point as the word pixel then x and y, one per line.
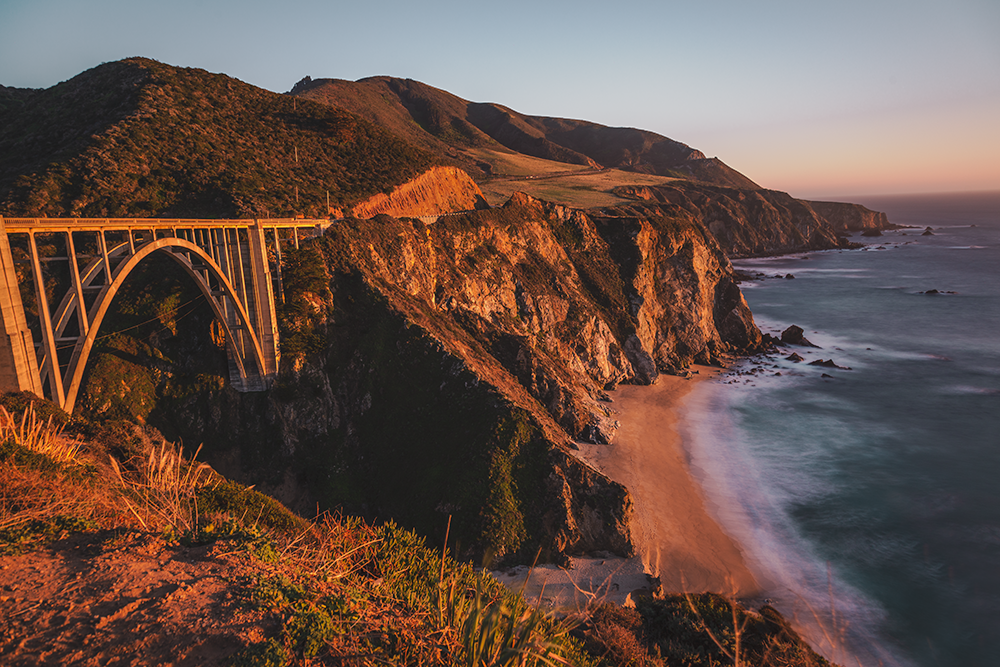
pixel 868 500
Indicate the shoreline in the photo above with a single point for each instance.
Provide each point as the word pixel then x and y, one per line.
pixel 677 540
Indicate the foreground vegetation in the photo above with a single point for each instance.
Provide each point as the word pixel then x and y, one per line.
pixel 336 590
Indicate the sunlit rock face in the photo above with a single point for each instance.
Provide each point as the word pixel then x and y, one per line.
pixel 436 191
pixel 445 369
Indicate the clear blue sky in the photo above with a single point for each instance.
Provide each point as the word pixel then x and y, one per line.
pixel 814 98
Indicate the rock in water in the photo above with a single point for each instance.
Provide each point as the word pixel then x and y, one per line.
pixel 829 363
pixel 793 336
pixel 794 356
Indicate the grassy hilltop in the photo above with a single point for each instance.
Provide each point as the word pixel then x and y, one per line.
pixel 482 135
pixel 140 138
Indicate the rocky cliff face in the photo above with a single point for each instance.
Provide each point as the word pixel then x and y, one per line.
pixel 760 222
pixel 567 304
pixel 848 218
pixel 436 191
pixel 449 367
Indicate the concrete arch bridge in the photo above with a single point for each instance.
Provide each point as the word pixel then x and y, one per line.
pixel 235 263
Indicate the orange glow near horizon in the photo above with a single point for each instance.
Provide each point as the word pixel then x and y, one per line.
pixel 917 150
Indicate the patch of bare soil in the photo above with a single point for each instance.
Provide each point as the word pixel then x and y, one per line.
pixel 126 599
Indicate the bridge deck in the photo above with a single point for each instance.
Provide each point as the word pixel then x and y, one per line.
pixel 114 224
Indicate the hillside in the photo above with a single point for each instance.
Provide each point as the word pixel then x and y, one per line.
pixel 442 369
pixel 140 138
pixel 116 549
pixel 586 165
pixel 450 126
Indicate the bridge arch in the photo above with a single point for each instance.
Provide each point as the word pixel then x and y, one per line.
pixel 229 260
pixel 229 299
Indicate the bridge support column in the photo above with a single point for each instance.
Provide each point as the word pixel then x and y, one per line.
pixel 18 364
pixel 263 300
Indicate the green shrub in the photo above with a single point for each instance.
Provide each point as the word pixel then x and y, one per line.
pixel 274 593
pixel 270 653
pixel 28 535
pixel 304 282
pixel 248 506
pixel 309 629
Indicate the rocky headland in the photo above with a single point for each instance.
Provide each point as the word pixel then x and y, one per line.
pixel 753 223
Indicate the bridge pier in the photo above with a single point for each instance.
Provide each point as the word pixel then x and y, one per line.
pixel 18 365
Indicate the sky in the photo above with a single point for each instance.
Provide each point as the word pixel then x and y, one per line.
pixel 819 99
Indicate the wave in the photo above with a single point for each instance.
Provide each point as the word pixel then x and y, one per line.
pixel 752 496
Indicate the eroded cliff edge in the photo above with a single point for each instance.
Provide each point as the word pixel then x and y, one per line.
pixel 436 191
pixel 445 369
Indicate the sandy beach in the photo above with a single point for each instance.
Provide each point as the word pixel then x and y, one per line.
pixel 676 538
pixel 675 535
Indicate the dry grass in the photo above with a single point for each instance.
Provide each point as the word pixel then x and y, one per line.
pixel 578 189
pixel 519 164
pixel 332 548
pixel 44 476
pixel 31 495
pixel 163 487
pixel 41 437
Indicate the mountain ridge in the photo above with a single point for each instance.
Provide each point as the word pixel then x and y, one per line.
pixel 480 137
pixel 438 117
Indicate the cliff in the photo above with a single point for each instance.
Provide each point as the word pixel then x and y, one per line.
pixel 568 304
pixel 445 369
pixel 850 218
pixel 436 191
pixel 760 222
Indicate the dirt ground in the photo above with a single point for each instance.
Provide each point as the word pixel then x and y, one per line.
pixel 125 600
